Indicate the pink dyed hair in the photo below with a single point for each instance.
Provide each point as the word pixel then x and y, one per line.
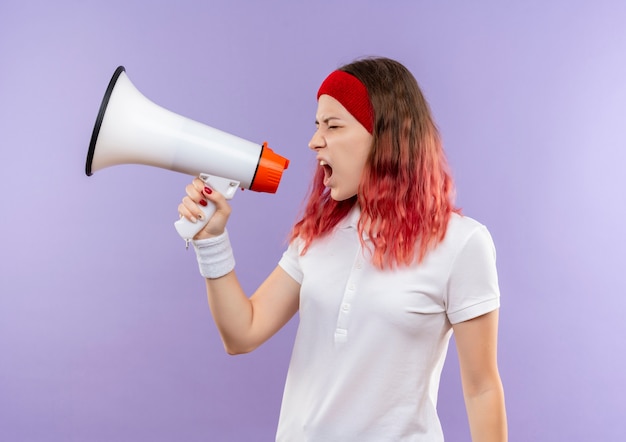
pixel 406 194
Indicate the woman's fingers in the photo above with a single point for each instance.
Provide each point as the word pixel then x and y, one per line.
pixel 194 190
pixel 190 209
pixel 199 203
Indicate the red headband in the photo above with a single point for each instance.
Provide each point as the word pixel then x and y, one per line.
pixel 352 94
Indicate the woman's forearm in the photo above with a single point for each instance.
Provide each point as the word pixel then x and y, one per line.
pixel 487 415
pixel 232 312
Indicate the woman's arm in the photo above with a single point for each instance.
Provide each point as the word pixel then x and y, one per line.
pixel 476 341
pixel 244 323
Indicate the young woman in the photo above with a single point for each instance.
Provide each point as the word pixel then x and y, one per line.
pixel 382 269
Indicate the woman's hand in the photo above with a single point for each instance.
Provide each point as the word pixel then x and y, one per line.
pixel 200 194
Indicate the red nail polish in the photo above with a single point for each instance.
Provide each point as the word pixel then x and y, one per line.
pixel 208 190
pixel 203 203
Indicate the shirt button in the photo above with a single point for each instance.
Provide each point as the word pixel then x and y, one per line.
pixel 351 287
pixel 345 307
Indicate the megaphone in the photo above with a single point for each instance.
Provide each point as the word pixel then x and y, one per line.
pixel 131 129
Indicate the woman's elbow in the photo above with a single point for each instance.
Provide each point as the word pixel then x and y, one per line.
pixel 481 385
pixel 234 349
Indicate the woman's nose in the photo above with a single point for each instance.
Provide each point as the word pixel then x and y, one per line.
pixel 317 141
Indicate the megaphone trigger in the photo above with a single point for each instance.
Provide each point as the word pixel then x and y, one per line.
pixel 227 187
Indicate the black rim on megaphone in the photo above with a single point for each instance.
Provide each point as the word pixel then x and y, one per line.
pixel 101 112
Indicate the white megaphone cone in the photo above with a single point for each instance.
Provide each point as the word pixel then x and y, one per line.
pixel 131 129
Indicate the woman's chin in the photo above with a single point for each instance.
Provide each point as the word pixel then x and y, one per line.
pixel 338 196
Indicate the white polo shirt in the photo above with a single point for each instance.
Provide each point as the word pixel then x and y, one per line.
pixel 371 344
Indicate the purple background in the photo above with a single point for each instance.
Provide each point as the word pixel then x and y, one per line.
pixel 105 334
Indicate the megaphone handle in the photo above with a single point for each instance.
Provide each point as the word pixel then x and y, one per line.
pixel 227 187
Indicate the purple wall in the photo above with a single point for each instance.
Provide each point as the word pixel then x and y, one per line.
pixel 105 334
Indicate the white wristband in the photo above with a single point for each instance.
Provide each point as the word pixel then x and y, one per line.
pixel 215 256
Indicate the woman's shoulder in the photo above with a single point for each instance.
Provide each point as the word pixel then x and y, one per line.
pixel 463 222
pixel 462 227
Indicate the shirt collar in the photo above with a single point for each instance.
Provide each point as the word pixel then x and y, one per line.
pixel 351 220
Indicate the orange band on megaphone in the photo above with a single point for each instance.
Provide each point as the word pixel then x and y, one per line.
pixel 269 171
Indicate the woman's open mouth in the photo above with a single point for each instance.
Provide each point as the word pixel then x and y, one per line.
pixel 328 171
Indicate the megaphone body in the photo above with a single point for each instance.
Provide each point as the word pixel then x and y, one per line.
pixel 131 129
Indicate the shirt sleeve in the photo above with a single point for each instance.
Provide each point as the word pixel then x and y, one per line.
pixel 473 287
pixel 290 261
